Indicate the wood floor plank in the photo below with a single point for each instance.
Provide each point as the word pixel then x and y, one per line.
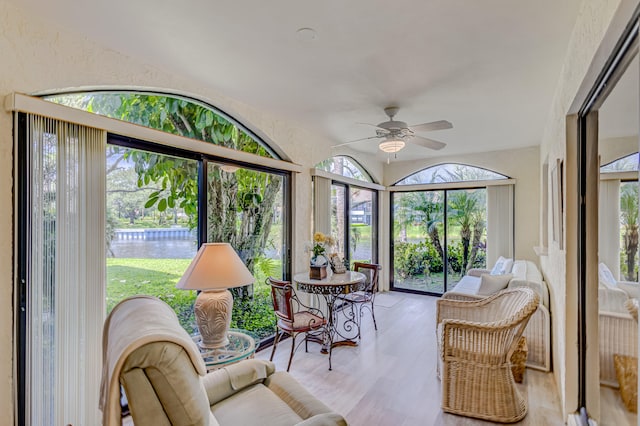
pixel 390 378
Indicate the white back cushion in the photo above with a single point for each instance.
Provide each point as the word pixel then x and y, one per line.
pixel 499 266
pixel 490 284
pixel 605 276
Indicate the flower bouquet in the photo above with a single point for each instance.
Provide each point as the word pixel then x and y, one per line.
pixel 319 261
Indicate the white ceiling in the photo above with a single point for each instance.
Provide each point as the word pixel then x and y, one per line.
pixel 490 67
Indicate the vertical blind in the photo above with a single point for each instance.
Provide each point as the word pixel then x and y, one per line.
pixel 500 236
pixel 66 273
pixel 609 225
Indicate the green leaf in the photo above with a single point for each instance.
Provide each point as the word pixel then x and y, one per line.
pixel 162 205
pixel 150 202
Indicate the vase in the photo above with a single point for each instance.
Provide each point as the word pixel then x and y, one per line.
pixel 319 260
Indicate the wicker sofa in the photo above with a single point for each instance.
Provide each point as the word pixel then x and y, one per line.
pixel 523 273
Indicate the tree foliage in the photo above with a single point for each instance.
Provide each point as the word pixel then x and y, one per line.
pixel 629 216
pixel 240 204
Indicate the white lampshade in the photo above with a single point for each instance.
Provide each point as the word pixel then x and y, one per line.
pixel 216 266
pixel 391 145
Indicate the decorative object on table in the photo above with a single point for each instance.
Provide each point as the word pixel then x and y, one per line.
pixel 319 261
pixel 215 268
pixel 338 265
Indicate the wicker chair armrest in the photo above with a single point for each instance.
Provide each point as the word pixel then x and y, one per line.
pixel 460 308
pixel 482 311
pixel 453 295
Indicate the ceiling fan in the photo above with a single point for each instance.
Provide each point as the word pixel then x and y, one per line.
pixel 395 134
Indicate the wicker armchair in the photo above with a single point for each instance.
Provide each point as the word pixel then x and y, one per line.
pixel 476 340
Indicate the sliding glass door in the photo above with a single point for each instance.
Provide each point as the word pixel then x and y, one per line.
pixel 437 236
pixel 353 222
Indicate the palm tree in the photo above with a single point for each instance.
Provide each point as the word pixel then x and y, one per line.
pixel 478 230
pixel 629 216
pixel 463 211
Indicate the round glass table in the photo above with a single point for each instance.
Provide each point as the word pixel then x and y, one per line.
pixel 242 345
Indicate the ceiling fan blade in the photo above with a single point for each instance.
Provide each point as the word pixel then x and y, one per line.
pixel 427 143
pixel 434 125
pixel 357 140
pixel 373 125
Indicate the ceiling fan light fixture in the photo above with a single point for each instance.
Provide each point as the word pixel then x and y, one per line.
pixel 392 145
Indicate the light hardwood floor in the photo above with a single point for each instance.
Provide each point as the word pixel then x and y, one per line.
pixel 390 378
pixel 613 411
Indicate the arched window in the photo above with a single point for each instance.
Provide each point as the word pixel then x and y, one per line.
pixel 628 163
pixel 344 166
pixel 450 172
pixel 169 113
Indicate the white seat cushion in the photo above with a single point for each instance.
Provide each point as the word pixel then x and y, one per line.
pixel 468 285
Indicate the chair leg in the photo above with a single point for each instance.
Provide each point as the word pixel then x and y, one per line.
pixel 293 348
pixel 275 343
pixel 358 308
pixel 373 315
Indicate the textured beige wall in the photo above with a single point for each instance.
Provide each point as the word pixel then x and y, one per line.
pixel 598 25
pixel 520 164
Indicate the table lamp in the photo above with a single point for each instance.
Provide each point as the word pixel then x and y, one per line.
pixel 215 268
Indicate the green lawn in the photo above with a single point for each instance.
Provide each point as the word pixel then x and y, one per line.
pixel 158 277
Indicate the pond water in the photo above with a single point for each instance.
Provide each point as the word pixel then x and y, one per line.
pixel 154 249
pixel 184 248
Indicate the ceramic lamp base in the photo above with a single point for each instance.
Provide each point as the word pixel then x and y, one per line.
pixel 213 316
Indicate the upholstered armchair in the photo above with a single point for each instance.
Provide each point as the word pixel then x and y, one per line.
pixel 476 340
pixel 163 376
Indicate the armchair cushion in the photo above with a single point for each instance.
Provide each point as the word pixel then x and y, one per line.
pixel 490 284
pixel 223 383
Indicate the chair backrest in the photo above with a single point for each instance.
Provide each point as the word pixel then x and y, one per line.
pixel 282 296
pixel 371 271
